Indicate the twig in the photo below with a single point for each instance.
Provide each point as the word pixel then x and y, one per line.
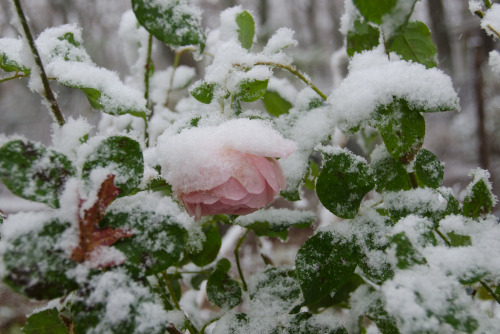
pixel 147 71
pixel 295 72
pixel 48 93
pixel 16 76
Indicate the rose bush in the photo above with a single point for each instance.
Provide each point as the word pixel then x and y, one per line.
pixel 230 168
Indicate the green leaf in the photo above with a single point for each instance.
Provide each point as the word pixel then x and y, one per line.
pixel 9 65
pixel 390 174
pixel 362 37
pixel 32 172
pixel 210 248
pixel 246 29
pixel 275 222
pixel 458 240
pixel 414 43
pixel 122 156
pixel 251 90
pixel 222 290
pixel 324 263
pixel 276 284
pixel 402 129
pixel 374 10
pixel 479 199
pixel 343 182
pixel 131 302
pixel 275 104
pixel 406 254
pixel 102 98
pixel 173 22
pixel 429 169
pixel 204 91
pixel 145 257
pixel 45 322
pixel 34 265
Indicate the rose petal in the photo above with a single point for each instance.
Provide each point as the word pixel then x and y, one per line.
pixel 231 189
pixel 249 176
pixel 199 197
pixel 267 170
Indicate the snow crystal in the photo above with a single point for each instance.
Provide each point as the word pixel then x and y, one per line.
pixel 228 26
pixel 276 217
pixel 135 46
pixel 491 21
pixel 18 224
pixel 475 6
pixel 309 128
pixel 284 88
pixel 12 49
pixel 67 138
pixel 282 39
pixel 198 151
pixel 494 62
pixel 351 13
pixel 380 80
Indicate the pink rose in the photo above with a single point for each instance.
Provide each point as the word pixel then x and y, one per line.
pixel 226 169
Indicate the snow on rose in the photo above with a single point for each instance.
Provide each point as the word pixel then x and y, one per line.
pixel 226 169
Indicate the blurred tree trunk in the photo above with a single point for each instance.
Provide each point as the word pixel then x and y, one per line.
pixel 481 50
pixel 439 32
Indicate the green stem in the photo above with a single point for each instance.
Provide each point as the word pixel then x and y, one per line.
pixel 175 65
pixel 48 93
pixel 147 72
pixel 494 31
pixel 295 72
pixel 189 325
pixel 16 76
pixel 413 180
pixel 170 290
pixel 490 291
pixel 208 324
pixel 237 258
pixel 487 3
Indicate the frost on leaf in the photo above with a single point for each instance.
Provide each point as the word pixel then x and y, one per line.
pixel 91 235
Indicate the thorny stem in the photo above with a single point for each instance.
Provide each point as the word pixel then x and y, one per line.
pixel 237 258
pixel 147 72
pixel 297 73
pixel 16 76
pixel 48 93
pixel 483 283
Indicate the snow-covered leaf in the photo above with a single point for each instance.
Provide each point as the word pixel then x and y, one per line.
pixel 35 263
pixel 343 182
pixel 324 263
pixel 479 199
pixel 251 90
pixel 402 129
pixel 120 156
pixel 275 222
pixel 222 290
pixel 362 37
pixel 429 169
pixel 174 22
pixel 33 172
